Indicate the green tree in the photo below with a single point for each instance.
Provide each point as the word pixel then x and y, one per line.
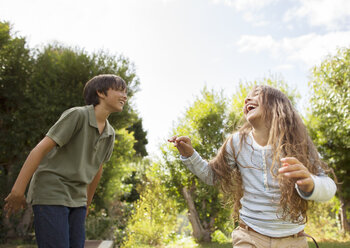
pixel 115 171
pixel 16 65
pixel 140 136
pixel 59 76
pixel 15 69
pixel 329 121
pixel 109 213
pixel 154 218
pixel 204 124
pixel 36 87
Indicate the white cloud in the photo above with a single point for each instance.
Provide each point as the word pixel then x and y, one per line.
pixel 256 19
pixel 250 9
pixel 242 5
pixel 332 14
pixel 284 67
pixel 309 49
pixel 258 43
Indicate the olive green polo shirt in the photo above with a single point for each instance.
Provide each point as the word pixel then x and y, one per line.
pixel 65 172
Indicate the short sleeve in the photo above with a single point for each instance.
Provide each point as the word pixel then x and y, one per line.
pixel 66 126
pixel 110 151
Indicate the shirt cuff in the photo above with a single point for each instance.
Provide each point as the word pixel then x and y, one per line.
pixel 306 195
pixel 324 189
pixel 195 157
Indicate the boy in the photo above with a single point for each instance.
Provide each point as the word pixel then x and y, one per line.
pixel 68 165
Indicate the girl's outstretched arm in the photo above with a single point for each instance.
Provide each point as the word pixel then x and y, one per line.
pixel 193 160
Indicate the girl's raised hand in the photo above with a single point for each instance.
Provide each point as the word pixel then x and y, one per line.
pixel 183 145
pixel 293 168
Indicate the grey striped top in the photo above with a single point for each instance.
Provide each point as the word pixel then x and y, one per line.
pixel 260 201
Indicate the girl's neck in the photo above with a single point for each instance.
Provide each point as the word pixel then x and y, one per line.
pixel 261 136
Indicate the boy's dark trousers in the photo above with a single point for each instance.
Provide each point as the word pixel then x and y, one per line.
pixel 59 226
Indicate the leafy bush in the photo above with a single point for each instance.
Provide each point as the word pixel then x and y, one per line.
pixel 219 237
pixel 323 222
pixel 183 242
pixel 154 218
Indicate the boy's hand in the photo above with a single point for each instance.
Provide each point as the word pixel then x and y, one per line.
pixel 183 144
pixel 14 203
pixel 293 168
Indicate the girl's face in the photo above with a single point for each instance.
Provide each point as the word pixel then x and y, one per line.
pixel 252 107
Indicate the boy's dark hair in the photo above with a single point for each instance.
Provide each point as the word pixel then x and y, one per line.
pixel 101 83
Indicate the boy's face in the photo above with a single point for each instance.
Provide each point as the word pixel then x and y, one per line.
pixel 115 100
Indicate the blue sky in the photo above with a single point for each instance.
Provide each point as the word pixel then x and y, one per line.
pixel 180 46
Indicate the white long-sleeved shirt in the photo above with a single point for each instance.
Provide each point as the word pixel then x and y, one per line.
pixel 260 201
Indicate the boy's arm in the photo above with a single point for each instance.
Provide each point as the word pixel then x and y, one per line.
pixel 16 200
pixel 93 185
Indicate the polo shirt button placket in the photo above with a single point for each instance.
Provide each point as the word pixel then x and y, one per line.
pixel 96 144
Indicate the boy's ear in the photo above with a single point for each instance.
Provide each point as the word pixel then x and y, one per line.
pixel 100 94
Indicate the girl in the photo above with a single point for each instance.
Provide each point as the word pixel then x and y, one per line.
pixel 269 169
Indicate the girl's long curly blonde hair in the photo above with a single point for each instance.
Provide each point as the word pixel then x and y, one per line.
pixel 288 137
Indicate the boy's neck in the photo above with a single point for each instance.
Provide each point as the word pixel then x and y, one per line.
pixel 261 136
pixel 101 116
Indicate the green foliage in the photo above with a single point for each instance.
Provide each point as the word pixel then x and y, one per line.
pixel 99 227
pixel 323 221
pixel 16 66
pixel 311 245
pixel 115 194
pixel 215 245
pixel 183 242
pixel 140 136
pixel 111 226
pixel 330 244
pixel 37 85
pixel 154 217
pixel 59 76
pixel 204 123
pixel 219 237
pixel 329 120
pixel 111 185
pixel 190 244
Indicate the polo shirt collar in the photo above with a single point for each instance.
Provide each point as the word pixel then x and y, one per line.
pixel 92 116
pixel 107 131
pixel 108 128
